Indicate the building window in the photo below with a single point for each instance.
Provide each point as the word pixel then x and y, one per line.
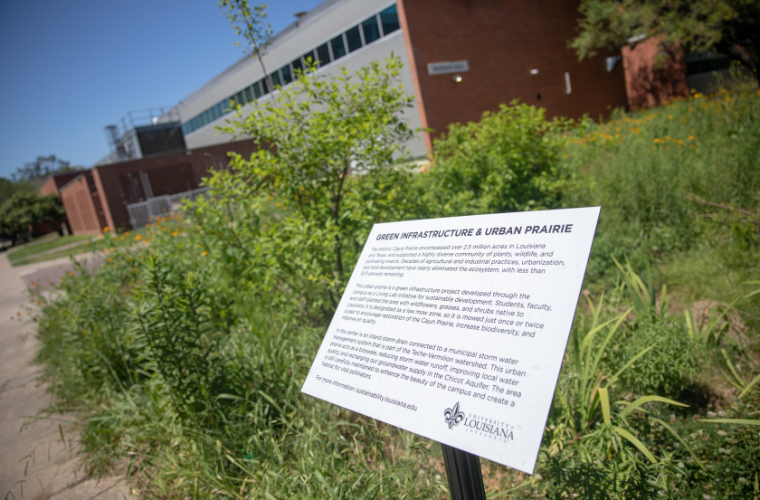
pixel 389 18
pixel 286 75
pixel 323 55
pixel 275 79
pixel 297 67
pixel 354 39
pixel 308 58
pixel 371 30
pixel 338 49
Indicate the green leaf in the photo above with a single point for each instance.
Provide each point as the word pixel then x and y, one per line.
pixel 604 399
pixel 738 421
pixel 675 434
pixel 635 442
pixel 749 386
pixel 648 399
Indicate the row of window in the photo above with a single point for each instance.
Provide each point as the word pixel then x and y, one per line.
pixel 364 33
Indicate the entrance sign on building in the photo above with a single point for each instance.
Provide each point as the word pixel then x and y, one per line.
pixel 455 329
pixel 443 68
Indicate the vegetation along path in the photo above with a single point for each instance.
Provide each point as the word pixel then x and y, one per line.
pixel 35 462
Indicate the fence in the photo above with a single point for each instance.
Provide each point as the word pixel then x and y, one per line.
pixel 143 212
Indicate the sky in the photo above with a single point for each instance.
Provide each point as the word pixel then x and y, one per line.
pixel 72 67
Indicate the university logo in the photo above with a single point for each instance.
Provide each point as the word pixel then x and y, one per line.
pixel 453 416
pixel 486 427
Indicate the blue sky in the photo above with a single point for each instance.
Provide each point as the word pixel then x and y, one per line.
pixel 72 67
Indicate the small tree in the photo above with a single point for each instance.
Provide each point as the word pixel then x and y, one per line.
pixel 25 209
pixel 249 22
pixel 732 26
pixel 321 131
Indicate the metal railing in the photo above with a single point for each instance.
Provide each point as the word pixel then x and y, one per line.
pixel 142 213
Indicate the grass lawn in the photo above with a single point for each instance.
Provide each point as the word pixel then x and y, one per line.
pixel 36 241
pixel 44 244
pixel 84 247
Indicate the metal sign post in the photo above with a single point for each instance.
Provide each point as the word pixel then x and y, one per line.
pixel 463 474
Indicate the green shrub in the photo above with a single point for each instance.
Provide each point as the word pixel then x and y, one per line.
pixel 667 369
pixel 506 162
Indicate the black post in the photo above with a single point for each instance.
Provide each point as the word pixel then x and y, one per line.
pixel 463 473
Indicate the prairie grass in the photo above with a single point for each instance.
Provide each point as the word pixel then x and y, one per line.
pixel 185 353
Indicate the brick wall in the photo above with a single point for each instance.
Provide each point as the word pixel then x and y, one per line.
pixel 648 83
pixel 502 42
pixel 121 184
pixel 80 208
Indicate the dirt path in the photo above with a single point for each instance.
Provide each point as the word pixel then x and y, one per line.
pixel 35 463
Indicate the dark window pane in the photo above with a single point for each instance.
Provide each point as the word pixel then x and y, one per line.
pixel 204 119
pixel 214 116
pixel 286 76
pixel 297 66
pixel 354 39
pixel 371 30
pixel 338 49
pixel 389 18
pixel 256 89
pixel 275 79
pixel 265 84
pixel 248 94
pixel 240 98
pixel 308 58
pixel 323 54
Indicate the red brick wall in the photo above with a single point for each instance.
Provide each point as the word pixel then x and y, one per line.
pixel 502 41
pixel 120 184
pixel 49 187
pixel 648 84
pixel 80 209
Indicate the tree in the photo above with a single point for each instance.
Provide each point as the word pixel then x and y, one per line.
pixel 8 188
pixel 42 167
pixel 731 26
pixel 25 209
pixel 249 22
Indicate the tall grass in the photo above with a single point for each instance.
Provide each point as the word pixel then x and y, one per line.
pixel 185 353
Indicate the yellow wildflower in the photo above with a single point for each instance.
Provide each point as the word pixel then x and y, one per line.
pixel 204 253
pixel 138 237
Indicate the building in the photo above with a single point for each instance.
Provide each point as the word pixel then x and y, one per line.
pixel 461 58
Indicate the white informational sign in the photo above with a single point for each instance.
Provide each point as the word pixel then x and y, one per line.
pixel 443 68
pixel 455 329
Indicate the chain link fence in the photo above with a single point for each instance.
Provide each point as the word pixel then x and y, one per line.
pixel 142 213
